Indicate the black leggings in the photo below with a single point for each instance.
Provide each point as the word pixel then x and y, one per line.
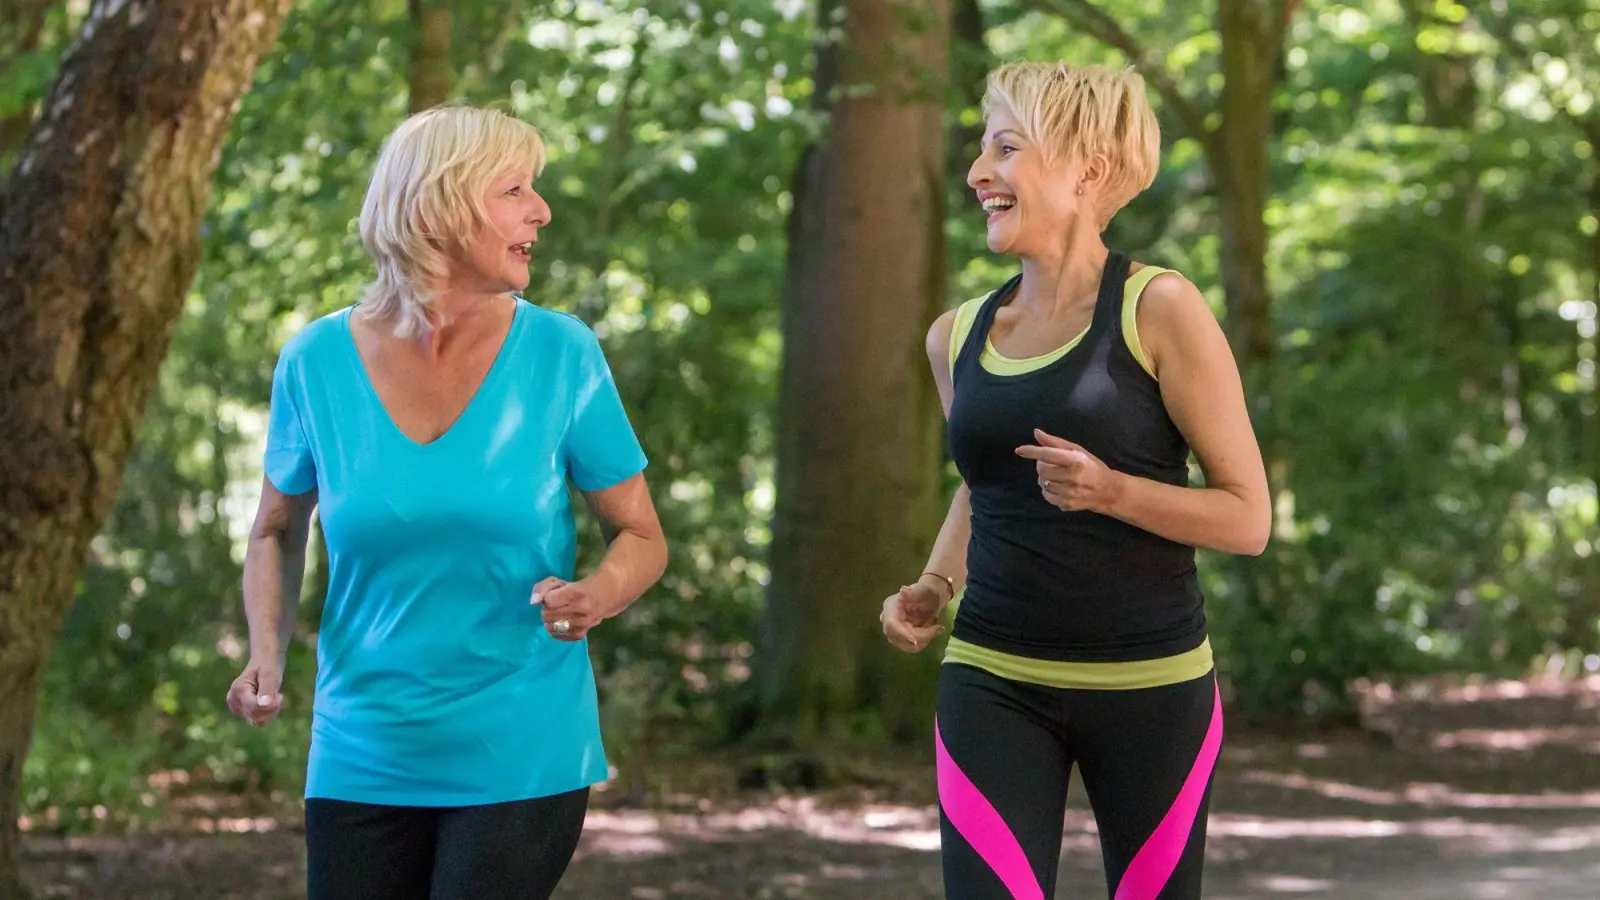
pixel 501 851
pixel 1006 749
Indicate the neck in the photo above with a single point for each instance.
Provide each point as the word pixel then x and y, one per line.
pixel 1062 278
pixel 458 314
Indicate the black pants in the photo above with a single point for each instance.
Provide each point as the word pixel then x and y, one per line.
pixel 501 851
pixel 1006 749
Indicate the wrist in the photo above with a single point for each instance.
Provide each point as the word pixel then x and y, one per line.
pixel 943 586
pixel 1117 487
pixel 606 593
pixel 261 655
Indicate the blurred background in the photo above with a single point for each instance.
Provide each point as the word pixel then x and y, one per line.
pixel 1393 206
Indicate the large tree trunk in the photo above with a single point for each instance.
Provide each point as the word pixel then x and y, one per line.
pixel 99 239
pixel 1252 33
pixel 430 76
pixel 858 460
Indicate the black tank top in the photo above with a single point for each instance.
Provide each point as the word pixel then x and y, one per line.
pixel 1069 586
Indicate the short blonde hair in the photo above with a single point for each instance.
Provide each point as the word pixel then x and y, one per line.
pixel 1074 112
pixel 426 196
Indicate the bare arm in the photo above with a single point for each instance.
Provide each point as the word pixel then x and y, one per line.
pixel 1201 389
pixel 910 618
pixel 274 563
pixel 635 558
pixel 636 552
pixel 949 555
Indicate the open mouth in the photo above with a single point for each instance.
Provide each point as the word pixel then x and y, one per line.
pixel 998 206
pixel 523 251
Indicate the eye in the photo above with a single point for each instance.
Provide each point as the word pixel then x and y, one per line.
pixel 515 191
pixel 1006 150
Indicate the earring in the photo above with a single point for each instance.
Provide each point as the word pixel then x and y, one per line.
pixel 1080 190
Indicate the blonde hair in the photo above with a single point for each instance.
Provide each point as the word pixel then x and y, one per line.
pixel 1075 112
pixel 426 196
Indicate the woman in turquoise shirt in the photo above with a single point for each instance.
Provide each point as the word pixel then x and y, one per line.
pixel 436 424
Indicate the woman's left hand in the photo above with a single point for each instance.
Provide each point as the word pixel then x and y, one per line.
pixel 570 607
pixel 1070 477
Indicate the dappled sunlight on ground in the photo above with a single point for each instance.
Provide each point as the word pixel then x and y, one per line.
pixel 1410 809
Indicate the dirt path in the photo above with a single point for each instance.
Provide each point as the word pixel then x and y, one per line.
pixel 1464 794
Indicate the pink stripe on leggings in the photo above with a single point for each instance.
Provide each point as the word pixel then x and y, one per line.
pixel 1153 864
pixel 976 820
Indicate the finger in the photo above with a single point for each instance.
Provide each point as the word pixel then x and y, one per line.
pixel 544 587
pixel 575 630
pixel 241 697
pixel 1047 439
pixel 269 697
pixel 565 596
pixel 1050 471
pixel 900 635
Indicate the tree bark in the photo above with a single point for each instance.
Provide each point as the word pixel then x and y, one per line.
pixel 859 453
pixel 99 239
pixel 1594 340
pixel 969 65
pixel 430 76
pixel 1252 33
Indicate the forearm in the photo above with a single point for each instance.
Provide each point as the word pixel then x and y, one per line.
pixel 272 577
pixel 949 555
pixel 1211 518
pixel 633 561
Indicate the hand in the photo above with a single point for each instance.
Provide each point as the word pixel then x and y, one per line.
pixel 1070 477
pixel 254 696
pixel 910 619
pixel 570 607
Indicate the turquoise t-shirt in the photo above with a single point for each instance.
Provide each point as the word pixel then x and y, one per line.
pixel 437 684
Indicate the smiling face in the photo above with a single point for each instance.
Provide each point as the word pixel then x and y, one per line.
pixel 495 259
pixel 1032 203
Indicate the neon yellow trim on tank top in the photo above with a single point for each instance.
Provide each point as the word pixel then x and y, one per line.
pixel 1146 673
pixel 994 361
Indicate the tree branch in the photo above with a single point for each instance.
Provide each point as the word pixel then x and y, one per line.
pixel 1107 30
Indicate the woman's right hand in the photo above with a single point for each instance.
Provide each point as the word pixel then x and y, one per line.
pixel 254 696
pixel 910 618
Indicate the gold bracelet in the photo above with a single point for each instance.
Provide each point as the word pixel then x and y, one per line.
pixel 950 582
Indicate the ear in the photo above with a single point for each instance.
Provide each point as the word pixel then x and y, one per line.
pixel 1096 172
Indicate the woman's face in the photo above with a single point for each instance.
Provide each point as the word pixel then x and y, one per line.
pixel 495 259
pixel 1031 206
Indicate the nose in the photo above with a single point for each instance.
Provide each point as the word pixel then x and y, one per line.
pixel 980 172
pixel 538 211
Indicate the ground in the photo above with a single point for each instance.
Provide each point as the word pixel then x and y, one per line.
pixel 1449 792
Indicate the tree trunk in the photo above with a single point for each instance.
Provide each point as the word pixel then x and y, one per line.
pixel 1251 36
pixel 969 66
pixel 1594 340
pixel 430 75
pixel 858 460
pixel 99 239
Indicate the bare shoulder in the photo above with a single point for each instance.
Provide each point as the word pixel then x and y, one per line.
pixel 938 340
pixel 1173 313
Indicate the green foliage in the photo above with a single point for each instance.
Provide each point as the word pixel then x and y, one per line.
pixel 1435 313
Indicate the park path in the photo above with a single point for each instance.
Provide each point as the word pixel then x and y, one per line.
pixel 1463 793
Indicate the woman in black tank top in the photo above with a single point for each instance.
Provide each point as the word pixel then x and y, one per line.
pixel 1075 394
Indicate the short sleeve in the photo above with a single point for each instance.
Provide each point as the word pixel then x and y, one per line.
pixel 601 449
pixel 288 463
